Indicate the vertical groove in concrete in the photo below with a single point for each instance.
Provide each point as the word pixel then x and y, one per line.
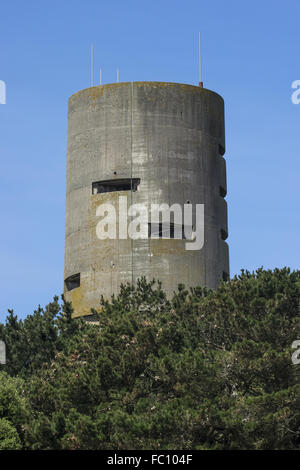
pixel 131 176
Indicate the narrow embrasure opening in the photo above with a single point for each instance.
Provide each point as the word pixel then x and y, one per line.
pixel 224 234
pixel 223 191
pixel 169 231
pixel 221 149
pixel 72 282
pixel 124 184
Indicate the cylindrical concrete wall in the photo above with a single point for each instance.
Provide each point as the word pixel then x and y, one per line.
pixel 170 138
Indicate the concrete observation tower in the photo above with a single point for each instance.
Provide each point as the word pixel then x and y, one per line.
pixel 156 143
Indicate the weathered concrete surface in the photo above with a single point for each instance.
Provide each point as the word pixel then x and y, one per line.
pixel 169 135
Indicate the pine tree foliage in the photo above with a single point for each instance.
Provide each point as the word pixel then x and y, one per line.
pixel 204 370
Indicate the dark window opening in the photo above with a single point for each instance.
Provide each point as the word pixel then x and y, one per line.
pixel 175 231
pixel 72 282
pixel 92 319
pixel 224 234
pixel 223 191
pixel 124 184
pixel 221 149
pixel 225 276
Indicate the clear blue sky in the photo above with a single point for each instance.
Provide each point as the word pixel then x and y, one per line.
pixel 251 57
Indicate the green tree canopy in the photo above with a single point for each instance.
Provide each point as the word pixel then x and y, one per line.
pixel 204 370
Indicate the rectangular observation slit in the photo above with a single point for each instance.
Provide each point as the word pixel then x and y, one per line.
pixel 108 186
pixel 72 282
pixel 169 231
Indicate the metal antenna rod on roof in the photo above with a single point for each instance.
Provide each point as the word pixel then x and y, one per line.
pixel 92 64
pixel 118 75
pixel 200 62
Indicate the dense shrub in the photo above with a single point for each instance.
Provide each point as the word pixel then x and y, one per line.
pixel 204 370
